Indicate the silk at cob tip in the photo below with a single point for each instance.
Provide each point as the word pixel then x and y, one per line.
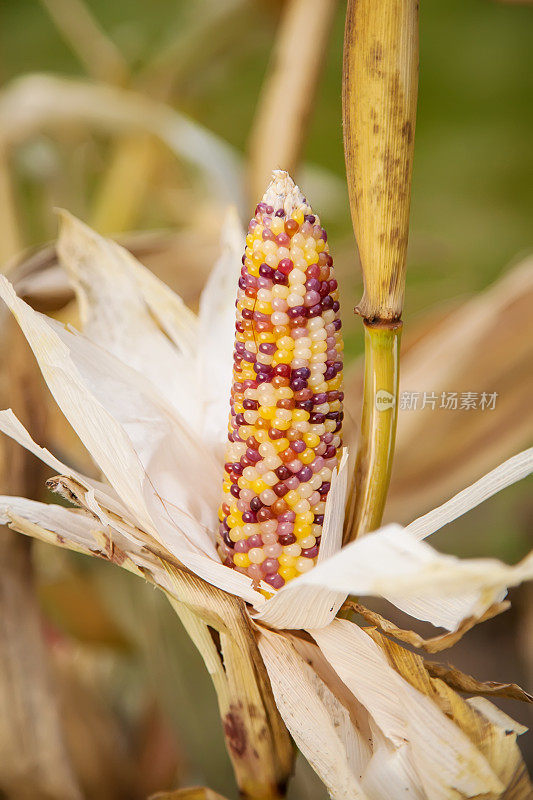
pixel 286 395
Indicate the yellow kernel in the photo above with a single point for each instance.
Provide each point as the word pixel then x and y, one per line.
pixel 236 534
pixel 242 483
pixel 307 456
pixel 291 498
pixel 302 530
pixel 281 357
pixel 281 425
pixel 276 226
pixel 263 308
pixel 265 337
pixel 311 439
pixel 267 412
pixel 308 517
pixel 284 393
pixel 298 215
pixel 280 444
pixel 318 347
pixel 300 415
pixel 241 560
pixel 258 486
pixel 232 522
pixel 286 343
pixel 288 573
pixel 304 564
pixel 286 560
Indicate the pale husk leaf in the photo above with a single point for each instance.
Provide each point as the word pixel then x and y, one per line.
pixel 447 764
pixel 511 471
pixel 307 716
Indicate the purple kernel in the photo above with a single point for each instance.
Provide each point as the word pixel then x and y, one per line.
pixel 279 277
pixel 287 538
pixel 298 384
pixel 287 516
pixel 306 405
pixel 298 446
pixel 255 504
pixel 324 488
pixel 286 266
pixel 335 307
pixel 305 474
pixel 234 490
pixel 276 581
pixel 268 349
pixel 318 519
pixel 253 456
pixel 296 311
pixel 327 302
pixel 311 552
pixel 265 271
pixel 251 405
pixel 310 218
pixel 270 565
pixel 283 472
pixel 312 285
pixel 337 323
pixel 318 399
pixel 280 212
pixel 317 419
pixel 241 546
pixel 314 311
pixel 302 372
pixel 249 517
pixel 255 540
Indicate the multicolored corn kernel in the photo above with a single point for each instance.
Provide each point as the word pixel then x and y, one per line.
pixel 286 398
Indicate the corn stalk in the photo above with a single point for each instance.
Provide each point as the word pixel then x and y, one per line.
pixel 380 79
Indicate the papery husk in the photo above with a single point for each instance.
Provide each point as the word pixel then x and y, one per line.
pixel 498 745
pixel 34 760
pixel 257 740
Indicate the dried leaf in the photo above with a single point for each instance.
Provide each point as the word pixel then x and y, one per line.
pixel 462 682
pixel 496 743
pixel 194 793
pixel 434 644
pixel 34 102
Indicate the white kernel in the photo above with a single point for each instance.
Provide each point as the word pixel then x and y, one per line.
pixel 257 556
pixel 304 564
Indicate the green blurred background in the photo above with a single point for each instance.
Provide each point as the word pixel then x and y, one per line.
pixel 472 212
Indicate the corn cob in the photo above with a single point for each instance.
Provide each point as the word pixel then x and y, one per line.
pixel 286 399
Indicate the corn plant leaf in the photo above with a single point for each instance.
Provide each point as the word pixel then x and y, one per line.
pixel 433 644
pixel 462 682
pixel 116 316
pixel 315 732
pixel 442 755
pixel 492 733
pixel 35 101
pixel 511 471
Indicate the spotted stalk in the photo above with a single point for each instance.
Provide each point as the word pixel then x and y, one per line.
pixel 380 81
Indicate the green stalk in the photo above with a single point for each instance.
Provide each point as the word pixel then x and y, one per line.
pixel 371 477
pixel 380 82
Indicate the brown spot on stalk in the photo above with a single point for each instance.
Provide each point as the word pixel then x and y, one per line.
pixel 235 732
